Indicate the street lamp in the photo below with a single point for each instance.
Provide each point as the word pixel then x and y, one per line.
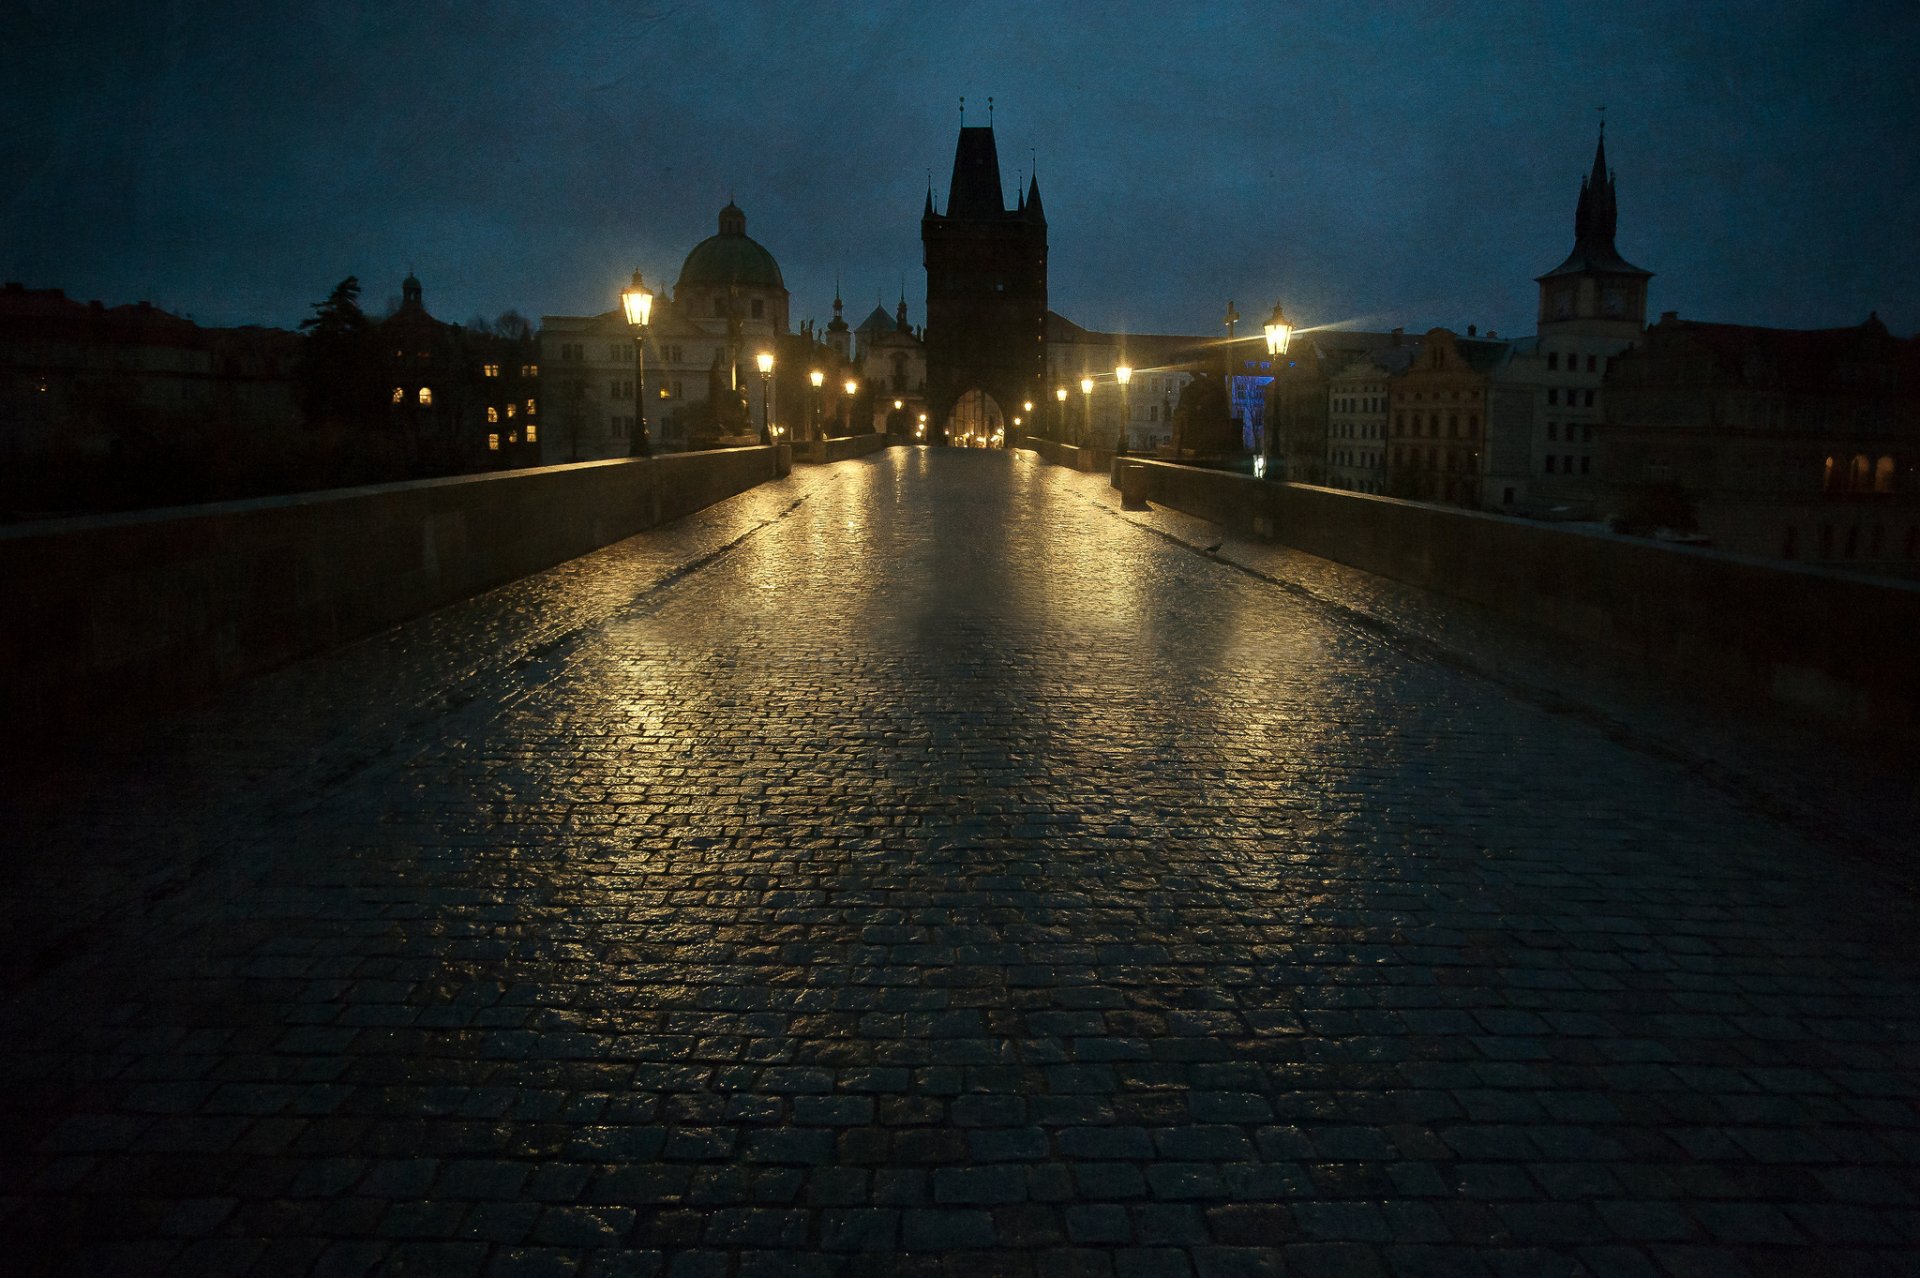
pixel 765 360
pixel 818 379
pixel 638 303
pixel 852 388
pixel 1279 337
pixel 1086 391
pixel 1123 374
pixel 1060 393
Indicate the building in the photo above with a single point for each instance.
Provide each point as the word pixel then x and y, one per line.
pixel 457 399
pixel 891 363
pixel 986 335
pixel 703 388
pixel 1302 403
pixel 1781 443
pixel 1357 415
pixel 1436 441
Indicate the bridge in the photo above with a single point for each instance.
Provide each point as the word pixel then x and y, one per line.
pixel 928 863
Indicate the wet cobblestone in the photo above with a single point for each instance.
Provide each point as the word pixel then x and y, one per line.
pixel 921 865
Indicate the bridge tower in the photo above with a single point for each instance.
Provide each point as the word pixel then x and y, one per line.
pixel 986 291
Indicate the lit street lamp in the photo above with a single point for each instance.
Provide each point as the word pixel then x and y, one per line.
pixel 1123 374
pixel 1086 392
pixel 1060 393
pixel 852 388
pixel 818 379
pixel 638 303
pixel 1279 337
pixel 765 360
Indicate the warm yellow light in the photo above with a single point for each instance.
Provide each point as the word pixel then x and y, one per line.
pixel 638 302
pixel 493 414
pixel 1086 386
pixel 426 394
pixel 765 360
pixel 1028 405
pixel 1123 374
pixel 850 386
pixel 899 404
pixel 1279 332
pixel 817 378
pixel 923 417
pixel 1016 422
pixel 533 433
pixel 1061 394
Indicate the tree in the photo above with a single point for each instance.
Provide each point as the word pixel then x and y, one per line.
pixel 338 372
pixel 513 326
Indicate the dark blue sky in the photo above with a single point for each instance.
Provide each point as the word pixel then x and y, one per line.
pixel 1392 163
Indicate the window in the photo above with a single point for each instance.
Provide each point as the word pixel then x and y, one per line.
pixel 399 394
pixel 1553 430
pixel 533 433
pixel 426 394
pixel 1553 361
pixel 1591 361
pixel 529 370
pixel 1883 475
pixel 530 408
pixel 759 309
pixel 490 370
pixel 493 441
pixel 677 392
pixel 1586 465
pixel 510 412
pixel 493 414
pixel 1589 400
pixel 1586 434
pixel 1549 463
pixel 1553 394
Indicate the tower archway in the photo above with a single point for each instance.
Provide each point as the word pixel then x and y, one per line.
pixel 976 421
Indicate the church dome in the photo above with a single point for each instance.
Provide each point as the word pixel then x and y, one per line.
pixel 730 258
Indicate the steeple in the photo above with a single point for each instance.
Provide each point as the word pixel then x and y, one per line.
pixel 410 293
pixel 975 189
pixel 1595 283
pixel 900 312
pixel 1033 200
pixel 839 324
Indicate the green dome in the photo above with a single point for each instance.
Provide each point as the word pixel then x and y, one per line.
pixel 730 258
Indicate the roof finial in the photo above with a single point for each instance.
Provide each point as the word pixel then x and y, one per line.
pixel 989 110
pixel 1602 109
pixel 963 110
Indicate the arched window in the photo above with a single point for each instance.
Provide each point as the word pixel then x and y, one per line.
pixel 1828 478
pixel 1883 475
pixel 426 394
pixel 493 414
pixel 1857 473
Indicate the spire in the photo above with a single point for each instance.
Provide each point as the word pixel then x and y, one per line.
pixel 900 311
pixel 1603 213
pixel 975 189
pixel 1034 210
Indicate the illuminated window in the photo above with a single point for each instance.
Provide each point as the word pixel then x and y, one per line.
pixel 426 394
pixel 514 437
pixel 533 433
pixel 529 370
pixel 1883 475
pixel 493 414
pixel 530 408
pixel 493 441
pixel 398 394
pixel 510 408
pixel 490 370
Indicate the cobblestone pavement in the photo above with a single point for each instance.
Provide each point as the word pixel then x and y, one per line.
pixel 921 865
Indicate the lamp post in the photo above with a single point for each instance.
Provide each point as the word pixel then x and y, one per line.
pixel 1279 337
pixel 765 360
pixel 852 388
pixel 818 379
pixel 1123 374
pixel 1086 393
pixel 1060 422
pixel 920 431
pixel 638 303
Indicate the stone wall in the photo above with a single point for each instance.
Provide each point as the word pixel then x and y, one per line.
pixel 1839 648
pixel 843 447
pixel 115 616
pixel 1072 456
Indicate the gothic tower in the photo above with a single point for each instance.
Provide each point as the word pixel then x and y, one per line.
pixel 1595 290
pixel 986 291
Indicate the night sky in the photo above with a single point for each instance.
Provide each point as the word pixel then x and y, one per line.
pixel 1369 165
